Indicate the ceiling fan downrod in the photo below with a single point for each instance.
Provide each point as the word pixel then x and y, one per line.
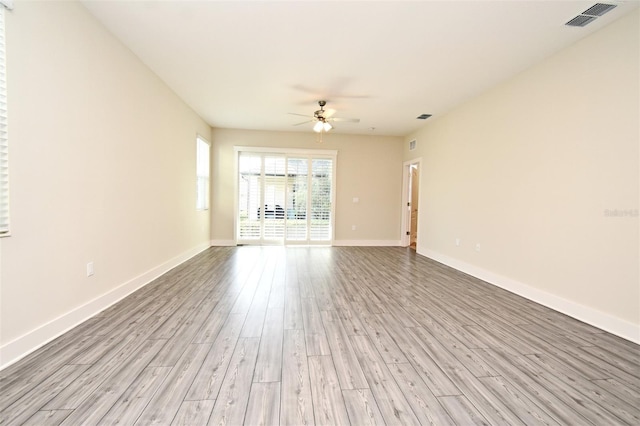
pixel 320 113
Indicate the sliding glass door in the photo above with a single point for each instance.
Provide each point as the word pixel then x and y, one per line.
pixel 285 198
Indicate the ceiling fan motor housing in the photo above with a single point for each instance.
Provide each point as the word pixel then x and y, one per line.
pixel 320 113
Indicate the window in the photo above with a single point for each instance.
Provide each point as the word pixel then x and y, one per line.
pixel 285 196
pixel 202 174
pixel 4 147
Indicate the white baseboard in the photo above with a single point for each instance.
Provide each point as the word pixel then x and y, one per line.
pixel 337 243
pixel 366 243
pixel 222 243
pixel 625 329
pixel 29 342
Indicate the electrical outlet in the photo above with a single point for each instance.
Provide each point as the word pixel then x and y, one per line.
pixel 90 269
pixel 353 227
pixel 477 246
pixel 458 242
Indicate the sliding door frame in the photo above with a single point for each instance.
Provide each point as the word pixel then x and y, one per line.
pixel 286 153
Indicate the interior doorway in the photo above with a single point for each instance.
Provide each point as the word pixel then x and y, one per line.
pixel 410 203
pixel 413 205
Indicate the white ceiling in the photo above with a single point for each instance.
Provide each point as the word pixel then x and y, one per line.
pixel 246 65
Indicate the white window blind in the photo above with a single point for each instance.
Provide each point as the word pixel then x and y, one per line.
pixel 202 174
pixel 4 146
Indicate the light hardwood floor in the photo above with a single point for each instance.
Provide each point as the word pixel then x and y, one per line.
pixel 325 336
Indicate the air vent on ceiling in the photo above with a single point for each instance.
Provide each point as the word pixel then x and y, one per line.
pixel 423 116
pixel 580 21
pixel 598 9
pixel 590 14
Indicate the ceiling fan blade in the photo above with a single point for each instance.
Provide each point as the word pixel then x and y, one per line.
pixel 301 115
pixel 329 112
pixel 304 122
pixel 345 120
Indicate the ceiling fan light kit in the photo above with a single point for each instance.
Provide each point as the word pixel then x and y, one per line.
pixel 322 126
pixel 322 119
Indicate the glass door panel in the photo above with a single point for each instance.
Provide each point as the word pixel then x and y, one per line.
pixel 321 187
pixel 274 194
pixel 297 183
pixel 249 197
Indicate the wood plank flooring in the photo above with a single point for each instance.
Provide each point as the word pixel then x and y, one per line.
pixel 325 336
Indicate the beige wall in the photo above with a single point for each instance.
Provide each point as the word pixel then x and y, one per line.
pixel 368 167
pixel 529 170
pixel 102 169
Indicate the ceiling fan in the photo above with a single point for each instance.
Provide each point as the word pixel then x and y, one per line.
pixel 323 119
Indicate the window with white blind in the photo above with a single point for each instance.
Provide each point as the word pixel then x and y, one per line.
pixel 4 146
pixel 202 174
pixel 285 197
